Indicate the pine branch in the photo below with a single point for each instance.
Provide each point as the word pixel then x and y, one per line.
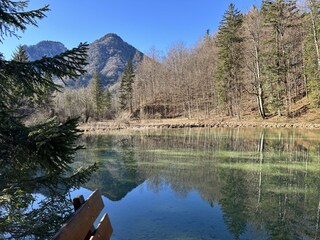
pixel 14 18
pixel 53 144
pixel 35 77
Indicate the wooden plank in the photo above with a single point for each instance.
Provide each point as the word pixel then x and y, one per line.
pixel 78 201
pixel 104 229
pixel 80 223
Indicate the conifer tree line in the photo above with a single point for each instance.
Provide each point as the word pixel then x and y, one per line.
pixel 264 61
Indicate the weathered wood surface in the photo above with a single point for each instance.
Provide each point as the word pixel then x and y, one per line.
pixel 79 226
pixel 77 203
pixel 104 229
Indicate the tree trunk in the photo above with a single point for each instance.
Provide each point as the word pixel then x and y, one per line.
pixel 260 89
pixel 315 31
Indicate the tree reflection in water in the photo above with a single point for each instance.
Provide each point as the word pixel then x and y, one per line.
pixel 35 187
pixel 266 180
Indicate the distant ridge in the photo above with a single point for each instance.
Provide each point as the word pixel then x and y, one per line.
pixel 44 48
pixel 107 55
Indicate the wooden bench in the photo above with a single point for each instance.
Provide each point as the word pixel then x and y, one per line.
pixel 80 225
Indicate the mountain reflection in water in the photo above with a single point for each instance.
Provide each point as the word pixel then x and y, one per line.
pixel 208 183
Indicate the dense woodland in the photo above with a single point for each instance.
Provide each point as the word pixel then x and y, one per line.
pixel 261 63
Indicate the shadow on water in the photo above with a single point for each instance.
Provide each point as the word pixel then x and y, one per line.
pixel 264 182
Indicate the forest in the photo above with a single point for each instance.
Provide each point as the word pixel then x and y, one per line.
pixel 265 60
pixel 263 63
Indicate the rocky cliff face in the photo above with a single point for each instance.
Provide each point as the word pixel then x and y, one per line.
pixel 107 55
pixel 44 48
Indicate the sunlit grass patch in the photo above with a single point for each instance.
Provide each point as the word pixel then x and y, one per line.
pixel 235 154
pixel 192 153
pixel 206 153
pixel 280 169
pixel 253 167
pixel 287 190
pixel 299 166
pixel 168 162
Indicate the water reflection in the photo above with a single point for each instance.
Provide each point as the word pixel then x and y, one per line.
pixel 35 198
pixel 264 182
pixel 117 172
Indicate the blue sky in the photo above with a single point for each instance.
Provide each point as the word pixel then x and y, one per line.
pixel 142 23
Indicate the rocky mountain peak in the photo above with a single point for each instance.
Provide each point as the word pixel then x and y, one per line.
pixel 107 55
pixel 44 49
pixel 111 36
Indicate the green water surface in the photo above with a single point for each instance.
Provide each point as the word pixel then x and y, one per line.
pixel 207 183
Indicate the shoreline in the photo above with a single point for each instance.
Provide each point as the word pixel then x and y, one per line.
pixel 105 126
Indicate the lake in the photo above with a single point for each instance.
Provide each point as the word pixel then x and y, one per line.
pixel 207 183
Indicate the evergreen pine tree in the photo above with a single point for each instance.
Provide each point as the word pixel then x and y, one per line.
pixel 281 16
pixel 97 93
pixel 42 99
pixel 126 88
pixel 20 55
pixel 108 100
pixel 31 155
pixel 32 78
pixel 230 58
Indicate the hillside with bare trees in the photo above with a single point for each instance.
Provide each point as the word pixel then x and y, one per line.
pixel 263 64
pixel 257 65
